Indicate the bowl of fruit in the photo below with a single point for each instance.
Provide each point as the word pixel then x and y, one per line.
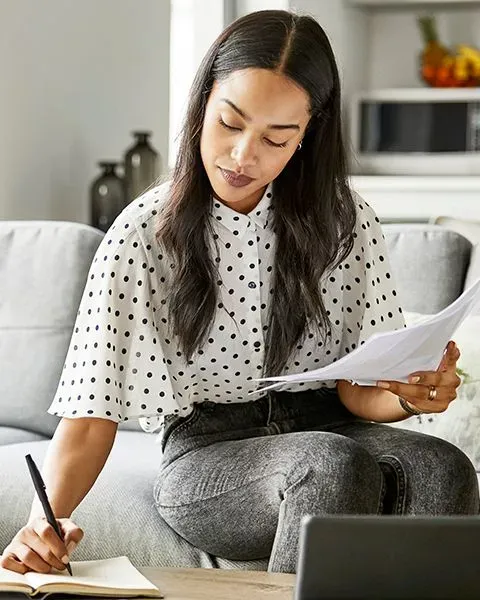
pixel 443 67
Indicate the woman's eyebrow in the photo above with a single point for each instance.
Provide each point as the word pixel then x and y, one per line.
pixel 247 118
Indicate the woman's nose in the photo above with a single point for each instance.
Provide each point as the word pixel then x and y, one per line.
pixel 244 153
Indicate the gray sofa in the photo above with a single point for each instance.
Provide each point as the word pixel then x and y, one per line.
pixel 43 269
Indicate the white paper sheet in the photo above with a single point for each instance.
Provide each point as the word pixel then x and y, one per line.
pixel 394 355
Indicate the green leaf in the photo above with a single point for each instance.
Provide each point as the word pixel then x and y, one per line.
pixel 464 375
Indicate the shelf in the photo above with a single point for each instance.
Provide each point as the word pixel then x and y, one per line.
pixel 407 4
pixel 420 198
pixel 430 183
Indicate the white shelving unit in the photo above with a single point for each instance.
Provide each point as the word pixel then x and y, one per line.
pixel 379 28
pixel 420 198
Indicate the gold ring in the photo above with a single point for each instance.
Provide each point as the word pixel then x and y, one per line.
pixel 432 394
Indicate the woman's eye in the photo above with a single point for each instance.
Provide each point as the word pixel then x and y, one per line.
pixel 282 145
pixel 231 128
pixel 223 124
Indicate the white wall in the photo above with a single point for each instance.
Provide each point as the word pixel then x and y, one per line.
pixel 194 27
pixel 76 78
pixel 243 7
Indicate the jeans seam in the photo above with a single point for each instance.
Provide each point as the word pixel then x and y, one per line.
pixel 381 497
pixel 156 487
pixel 276 429
pixel 270 397
pixel 401 481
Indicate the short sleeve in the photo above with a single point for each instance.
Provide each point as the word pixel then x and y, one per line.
pixel 115 368
pixel 370 299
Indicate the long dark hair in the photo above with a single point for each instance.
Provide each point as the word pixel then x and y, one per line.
pixel 314 215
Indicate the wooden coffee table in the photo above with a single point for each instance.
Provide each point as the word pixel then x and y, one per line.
pixel 220 584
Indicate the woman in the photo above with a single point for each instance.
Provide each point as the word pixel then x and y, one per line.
pixel 255 260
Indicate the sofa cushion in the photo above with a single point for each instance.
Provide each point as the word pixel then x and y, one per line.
pixel 118 515
pixel 43 269
pixel 473 273
pixel 13 435
pixel 471 230
pixel 429 264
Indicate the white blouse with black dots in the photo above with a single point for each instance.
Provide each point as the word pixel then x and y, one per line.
pixel 123 364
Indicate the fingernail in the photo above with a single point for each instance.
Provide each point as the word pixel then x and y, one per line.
pixel 65 559
pixel 383 384
pixel 71 547
pixel 415 379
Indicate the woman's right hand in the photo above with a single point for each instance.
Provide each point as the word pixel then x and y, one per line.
pixel 36 547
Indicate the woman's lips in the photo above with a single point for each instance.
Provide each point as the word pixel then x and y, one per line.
pixel 235 180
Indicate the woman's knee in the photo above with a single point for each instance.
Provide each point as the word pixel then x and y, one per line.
pixel 437 468
pixel 441 458
pixel 457 473
pixel 339 466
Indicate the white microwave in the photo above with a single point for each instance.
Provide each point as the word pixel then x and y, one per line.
pixel 418 131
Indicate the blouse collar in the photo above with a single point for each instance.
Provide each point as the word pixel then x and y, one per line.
pixel 237 222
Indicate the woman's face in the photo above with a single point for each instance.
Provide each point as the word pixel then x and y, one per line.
pixel 254 121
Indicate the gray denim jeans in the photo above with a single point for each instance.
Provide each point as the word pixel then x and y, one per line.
pixel 236 479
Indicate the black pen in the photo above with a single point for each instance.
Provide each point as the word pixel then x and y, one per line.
pixel 42 496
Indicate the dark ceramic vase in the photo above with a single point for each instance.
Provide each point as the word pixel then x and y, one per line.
pixel 107 196
pixel 142 166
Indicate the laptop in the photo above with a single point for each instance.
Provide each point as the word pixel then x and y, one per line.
pixel 388 558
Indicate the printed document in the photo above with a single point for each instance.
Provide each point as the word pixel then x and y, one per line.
pixel 393 355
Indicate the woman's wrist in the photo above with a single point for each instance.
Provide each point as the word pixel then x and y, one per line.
pixel 409 408
pixel 371 403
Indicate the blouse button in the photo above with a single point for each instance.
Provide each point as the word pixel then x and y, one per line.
pixel 257 344
pixel 252 285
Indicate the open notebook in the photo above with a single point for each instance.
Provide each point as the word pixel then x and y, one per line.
pixel 111 578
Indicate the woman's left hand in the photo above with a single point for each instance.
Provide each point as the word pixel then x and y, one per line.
pixel 430 391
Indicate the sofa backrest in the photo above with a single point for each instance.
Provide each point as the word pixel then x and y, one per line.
pixel 43 270
pixel 429 264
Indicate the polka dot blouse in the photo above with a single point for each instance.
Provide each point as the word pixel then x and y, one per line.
pixel 123 364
